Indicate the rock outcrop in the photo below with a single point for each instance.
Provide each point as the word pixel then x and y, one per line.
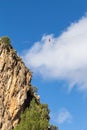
pixel 15 86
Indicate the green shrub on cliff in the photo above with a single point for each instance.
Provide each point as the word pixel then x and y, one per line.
pixel 36 117
pixel 6 39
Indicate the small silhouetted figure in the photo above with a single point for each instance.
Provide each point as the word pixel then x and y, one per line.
pixel 49 40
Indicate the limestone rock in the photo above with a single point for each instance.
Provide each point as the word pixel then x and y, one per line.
pixel 14 85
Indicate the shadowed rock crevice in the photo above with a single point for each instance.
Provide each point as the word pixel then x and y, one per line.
pixel 27 100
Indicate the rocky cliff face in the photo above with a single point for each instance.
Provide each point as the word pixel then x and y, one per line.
pixel 14 86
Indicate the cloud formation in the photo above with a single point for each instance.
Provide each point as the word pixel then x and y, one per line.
pixel 64 116
pixel 63 57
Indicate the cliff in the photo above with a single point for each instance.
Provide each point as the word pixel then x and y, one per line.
pixel 15 87
pixel 20 106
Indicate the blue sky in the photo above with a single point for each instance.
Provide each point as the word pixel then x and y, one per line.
pixel 50 35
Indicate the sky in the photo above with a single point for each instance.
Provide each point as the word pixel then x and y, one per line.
pixel 50 36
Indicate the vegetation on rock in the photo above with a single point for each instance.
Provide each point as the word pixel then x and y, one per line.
pixel 35 117
pixel 6 40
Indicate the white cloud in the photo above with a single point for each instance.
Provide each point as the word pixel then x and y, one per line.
pixel 63 57
pixel 64 116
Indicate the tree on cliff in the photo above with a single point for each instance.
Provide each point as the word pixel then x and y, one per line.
pixel 36 117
